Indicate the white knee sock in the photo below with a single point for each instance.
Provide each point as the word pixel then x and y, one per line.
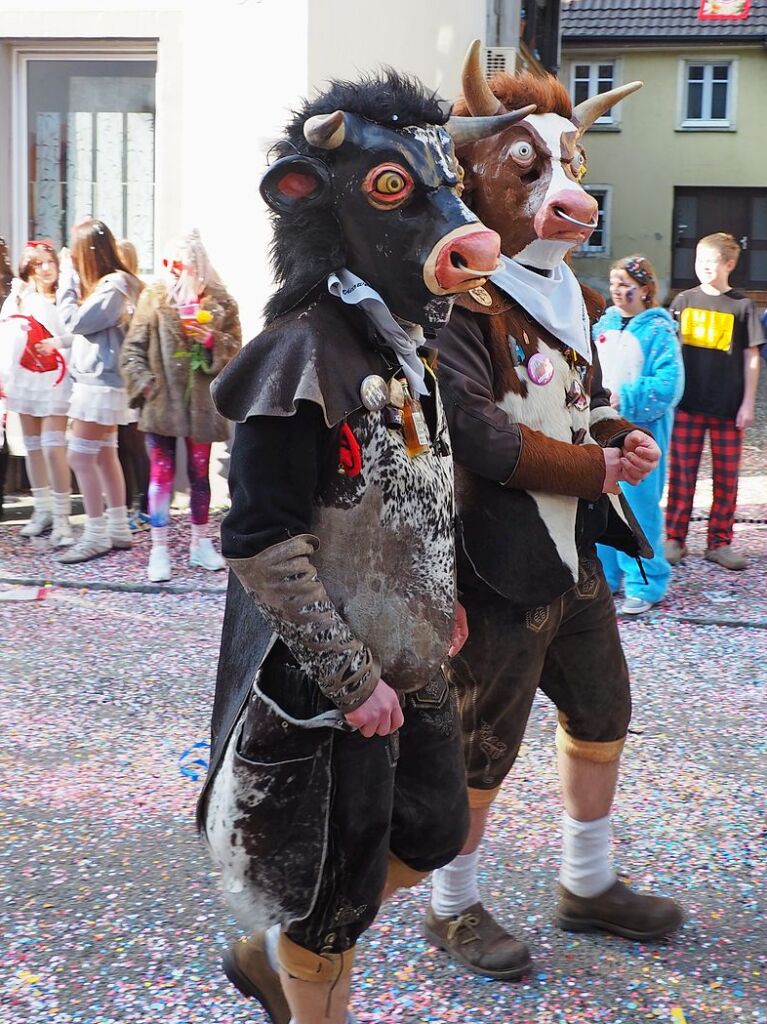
pixel 585 869
pixel 454 887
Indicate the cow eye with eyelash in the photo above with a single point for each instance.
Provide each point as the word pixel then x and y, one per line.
pixel 387 185
pixel 578 165
pixel 522 151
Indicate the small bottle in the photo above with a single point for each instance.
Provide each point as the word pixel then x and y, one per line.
pixel 415 430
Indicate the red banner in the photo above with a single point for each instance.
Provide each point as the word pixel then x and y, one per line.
pixel 723 10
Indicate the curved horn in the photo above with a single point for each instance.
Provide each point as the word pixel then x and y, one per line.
pixel 477 93
pixel 586 113
pixel 325 131
pixel 470 129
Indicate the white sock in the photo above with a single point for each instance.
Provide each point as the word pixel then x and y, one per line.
pixel 271 939
pixel 199 532
pixel 585 869
pixel 159 536
pixel 117 518
pixel 62 504
pixel 454 887
pixel 96 529
pixel 41 499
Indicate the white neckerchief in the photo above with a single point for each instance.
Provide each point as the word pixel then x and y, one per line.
pixel 354 291
pixel 555 301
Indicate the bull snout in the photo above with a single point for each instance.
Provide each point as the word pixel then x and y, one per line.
pixel 570 214
pixel 462 259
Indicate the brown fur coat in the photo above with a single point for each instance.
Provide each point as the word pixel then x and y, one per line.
pixel 179 404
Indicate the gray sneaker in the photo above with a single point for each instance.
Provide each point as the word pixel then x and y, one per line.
pixel 674 551
pixel 477 940
pixel 727 558
pixel 83 551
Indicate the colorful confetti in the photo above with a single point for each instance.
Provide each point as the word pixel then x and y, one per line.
pixel 111 913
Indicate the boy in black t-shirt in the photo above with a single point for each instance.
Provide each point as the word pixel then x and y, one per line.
pixel 720 334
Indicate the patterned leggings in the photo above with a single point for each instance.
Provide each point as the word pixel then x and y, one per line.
pixel 686 448
pixel 162 470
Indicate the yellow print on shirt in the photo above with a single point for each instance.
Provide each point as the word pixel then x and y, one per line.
pixel 707 328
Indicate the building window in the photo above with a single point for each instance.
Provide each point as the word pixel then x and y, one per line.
pixel 708 95
pixel 90 126
pixel 599 242
pixel 591 80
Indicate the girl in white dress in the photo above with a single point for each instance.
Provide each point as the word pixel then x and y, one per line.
pixel 34 345
pixel 96 298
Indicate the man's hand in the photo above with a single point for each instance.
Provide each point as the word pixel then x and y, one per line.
pixel 745 416
pixel 613 470
pixel 381 713
pixel 460 630
pixel 639 456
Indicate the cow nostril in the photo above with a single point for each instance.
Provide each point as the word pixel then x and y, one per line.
pixel 457 260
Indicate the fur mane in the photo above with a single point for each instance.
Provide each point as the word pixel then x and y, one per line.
pixel 515 91
pixel 307 245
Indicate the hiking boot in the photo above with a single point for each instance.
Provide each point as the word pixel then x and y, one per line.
pixel 477 940
pixel 247 966
pixel 674 551
pixel 620 911
pixel 727 558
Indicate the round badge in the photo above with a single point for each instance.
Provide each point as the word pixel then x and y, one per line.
pixel 540 369
pixel 374 393
pixel 580 398
pixel 396 394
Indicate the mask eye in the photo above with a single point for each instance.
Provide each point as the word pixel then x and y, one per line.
pixel 522 151
pixel 578 165
pixel 387 185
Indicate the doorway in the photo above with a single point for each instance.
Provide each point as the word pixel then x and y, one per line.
pixel 741 212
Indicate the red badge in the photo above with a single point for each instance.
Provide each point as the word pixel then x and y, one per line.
pixel 349 452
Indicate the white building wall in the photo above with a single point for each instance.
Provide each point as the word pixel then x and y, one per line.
pixel 228 74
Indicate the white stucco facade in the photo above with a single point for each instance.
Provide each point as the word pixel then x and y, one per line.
pixel 227 75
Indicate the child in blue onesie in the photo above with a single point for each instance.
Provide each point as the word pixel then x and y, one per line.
pixel 642 366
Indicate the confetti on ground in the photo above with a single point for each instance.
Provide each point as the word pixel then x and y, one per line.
pixel 111 913
pixel 22 593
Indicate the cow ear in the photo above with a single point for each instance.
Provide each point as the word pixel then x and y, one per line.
pixel 296 182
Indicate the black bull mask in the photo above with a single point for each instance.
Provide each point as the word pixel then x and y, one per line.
pixel 395 194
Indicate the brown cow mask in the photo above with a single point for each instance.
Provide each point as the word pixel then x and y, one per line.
pixel 525 181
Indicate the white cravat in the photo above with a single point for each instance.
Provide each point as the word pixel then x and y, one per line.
pixel 354 291
pixel 555 301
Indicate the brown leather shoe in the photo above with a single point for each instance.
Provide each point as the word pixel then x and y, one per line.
pixel 477 940
pixel 247 966
pixel 620 911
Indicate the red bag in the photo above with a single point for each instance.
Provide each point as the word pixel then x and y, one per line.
pixel 32 358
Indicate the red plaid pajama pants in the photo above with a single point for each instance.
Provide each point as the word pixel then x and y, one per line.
pixel 684 458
